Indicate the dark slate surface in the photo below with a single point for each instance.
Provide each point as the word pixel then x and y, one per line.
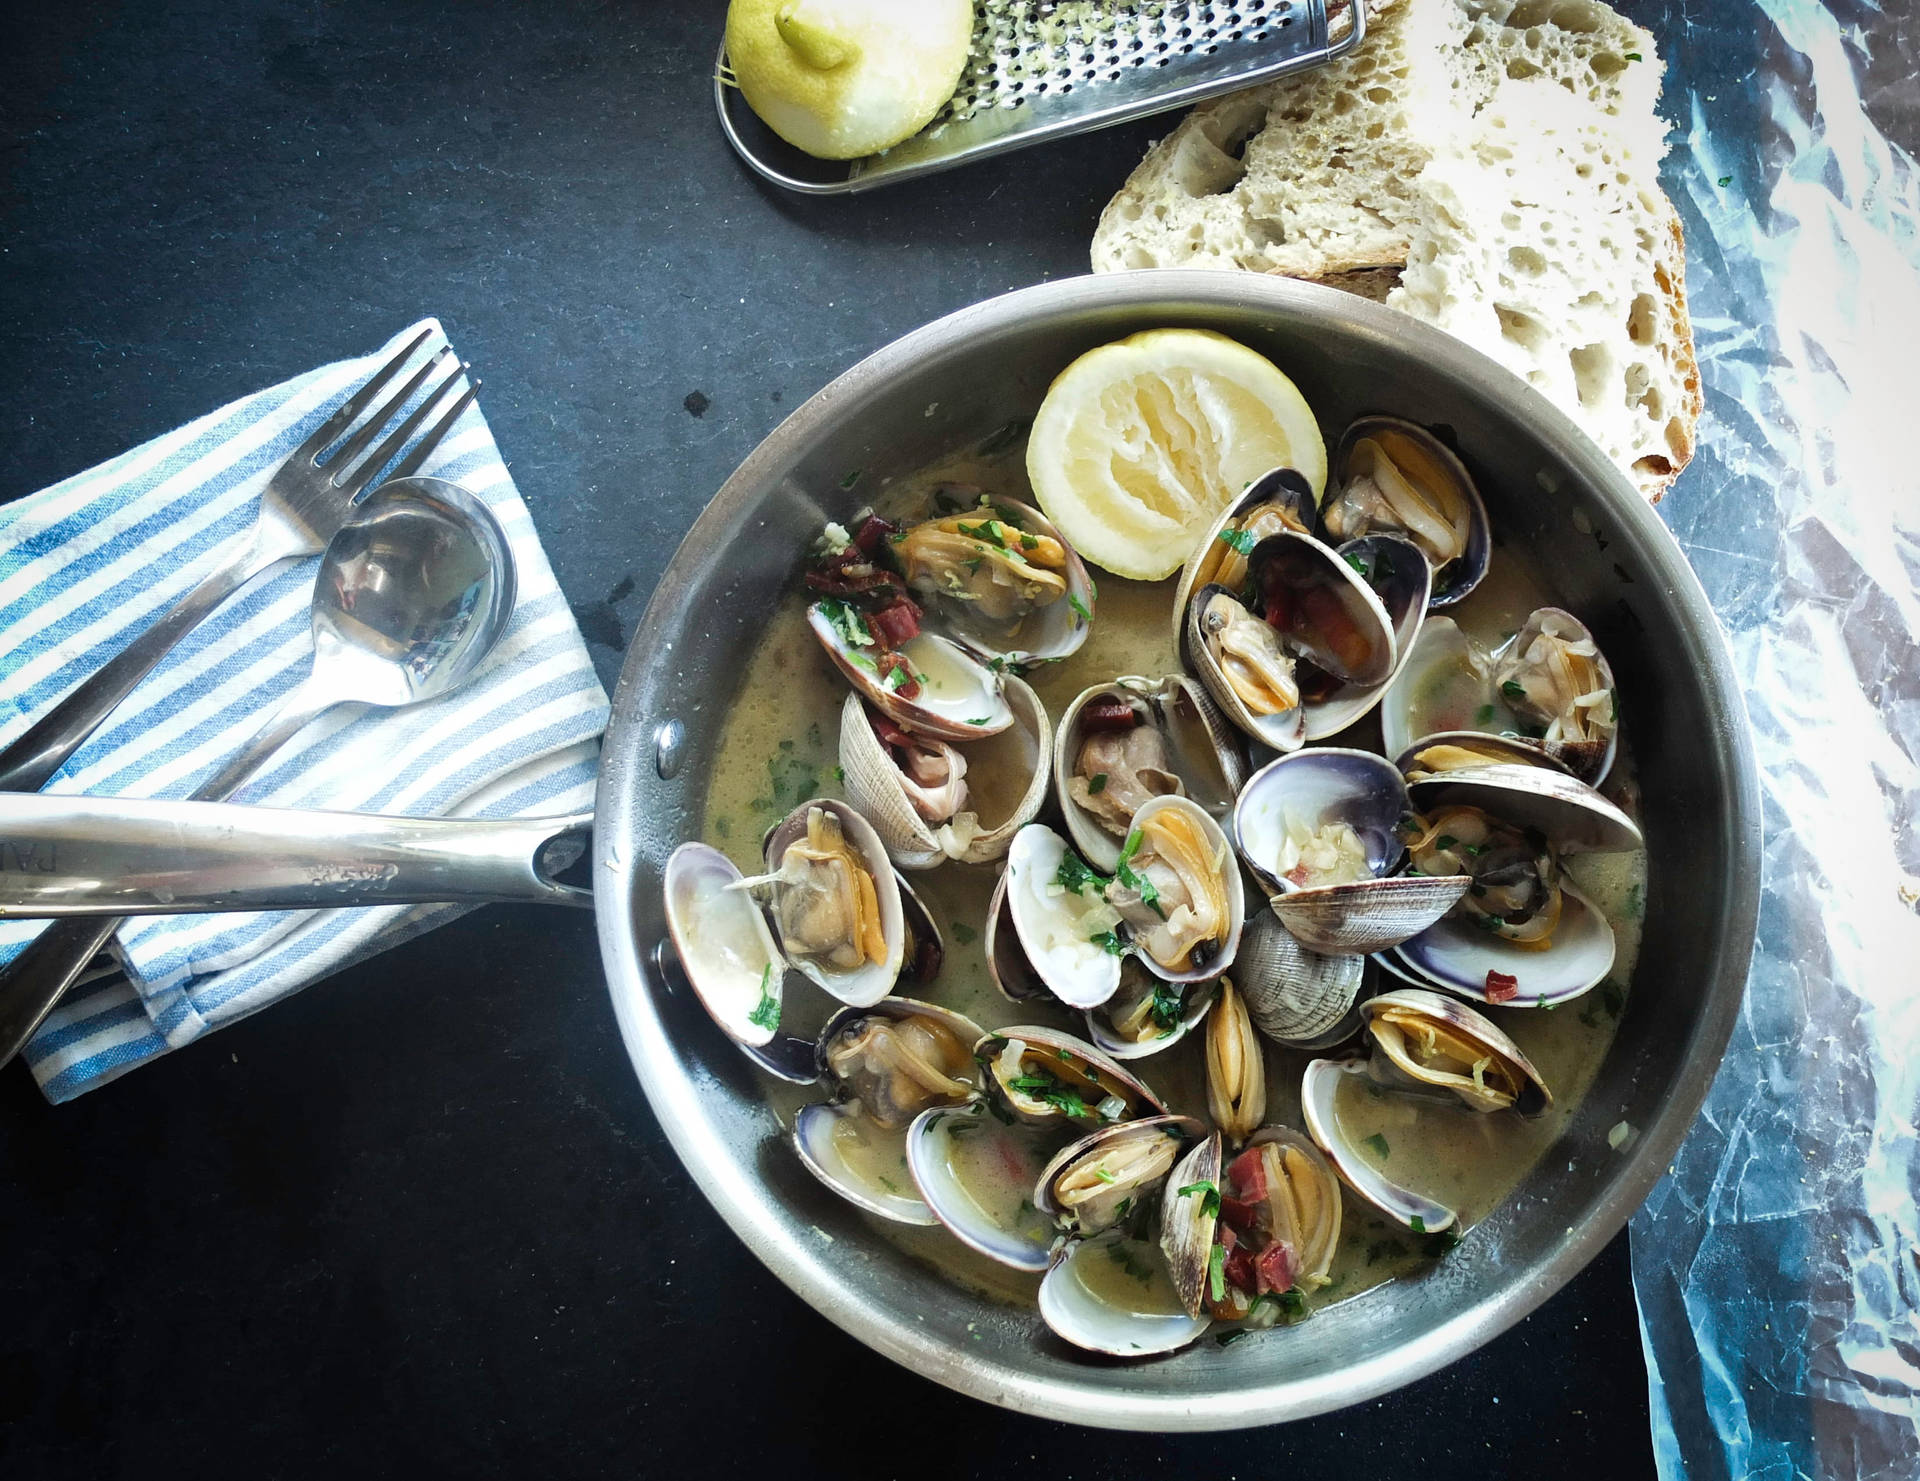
pixel 421 1220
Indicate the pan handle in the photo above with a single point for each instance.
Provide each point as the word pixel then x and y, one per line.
pixel 74 856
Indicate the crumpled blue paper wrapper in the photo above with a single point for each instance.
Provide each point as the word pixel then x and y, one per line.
pixel 1778 1265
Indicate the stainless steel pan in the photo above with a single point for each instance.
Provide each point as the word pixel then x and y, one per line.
pixel 1551 493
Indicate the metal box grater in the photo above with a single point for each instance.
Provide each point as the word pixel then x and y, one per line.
pixel 1043 69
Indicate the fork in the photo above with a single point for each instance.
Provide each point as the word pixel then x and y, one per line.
pixel 305 502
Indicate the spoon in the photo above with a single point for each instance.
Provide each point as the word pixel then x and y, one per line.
pixel 412 594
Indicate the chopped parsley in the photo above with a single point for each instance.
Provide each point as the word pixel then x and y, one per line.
pixel 1217 1272
pixel 1104 1176
pixel 1109 942
pixel 1513 689
pixel 1073 874
pixel 1417 1224
pixel 1079 608
pixel 979 720
pixel 1027 542
pixel 1240 540
pixel 1484 715
pixel 1725 181
pixel 1358 565
pixel 1124 872
pixel 1379 1145
pixel 1123 1257
pixel 1166 1005
pixel 987 530
pixel 851 479
pixel 1446 841
pixel 964 934
pixel 766 1014
pixel 1096 784
pixel 1209 1199
pixel 848 623
pixel 1634 56
pixel 1227 1339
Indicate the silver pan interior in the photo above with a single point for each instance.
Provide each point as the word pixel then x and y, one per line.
pixel 1545 485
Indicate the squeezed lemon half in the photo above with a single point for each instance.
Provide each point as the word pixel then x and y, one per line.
pixel 846 78
pixel 1140 444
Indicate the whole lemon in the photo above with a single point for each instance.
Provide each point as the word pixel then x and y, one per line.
pixel 846 78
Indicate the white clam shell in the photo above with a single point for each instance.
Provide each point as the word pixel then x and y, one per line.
pixel 1078 1310
pixel 1444 684
pixel 1046 922
pixel 973 1215
pixel 1456 1016
pixel 873 784
pixel 1082 1061
pixel 818 1147
pixel 1180 1128
pixel 961 700
pixel 1324 785
pixel 1188 1221
pixel 1573 816
pixel 1402 580
pixel 1401 1204
pixel 871 981
pixel 1046 635
pixel 1457 956
pixel 1230 881
pixel 724 943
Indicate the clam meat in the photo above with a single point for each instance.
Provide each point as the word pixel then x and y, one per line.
pixel 1104 1178
pixel 1396 486
pixel 1554 677
pixel 825 905
pixel 1236 1068
pixel 1171 890
pixel 1279 1223
pixel 1122 764
pixel 1516 890
pixel 999 570
pixel 1430 1041
pixel 933 774
pixel 1248 654
pixel 896 1067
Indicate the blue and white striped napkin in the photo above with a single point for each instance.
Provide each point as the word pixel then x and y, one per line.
pixel 87 564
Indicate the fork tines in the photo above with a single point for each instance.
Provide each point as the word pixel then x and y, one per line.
pixel 345 467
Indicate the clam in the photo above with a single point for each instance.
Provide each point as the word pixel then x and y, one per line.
pixel 1105 1177
pixel 1240 1234
pixel 1319 828
pixel 932 800
pixel 1548 689
pixel 1425 1041
pixel 1555 679
pixel 924 622
pixel 1460 750
pixel 1402 580
pixel 1122 744
pixel 836 912
pixel 1175 904
pixel 1278 502
pixel 1236 1068
pixel 1319 1089
pixel 1393 476
pixel 1303 630
pixel 1476 963
pixel 1147 1014
pixel 887 1064
pixel 1297 997
pixel 1047 1078
pixel 1112 1294
pixel 977 1172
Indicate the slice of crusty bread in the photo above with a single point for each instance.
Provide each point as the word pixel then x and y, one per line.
pixel 1544 241
pixel 1325 176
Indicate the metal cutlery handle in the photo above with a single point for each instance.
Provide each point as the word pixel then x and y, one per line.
pixel 83 858
pixel 27 764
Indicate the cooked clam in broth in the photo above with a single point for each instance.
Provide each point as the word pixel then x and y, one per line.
pixel 1030 1131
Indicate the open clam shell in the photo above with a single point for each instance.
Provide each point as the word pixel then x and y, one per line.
pixel 1185 835
pixel 725 946
pixel 1189 1216
pixel 1401 578
pixel 1043 634
pixel 1394 476
pixel 1296 997
pixel 1570 814
pixel 873 979
pixel 1281 499
pixel 1330 639
pixel 1148 1014
pixel 1292 804
pixel 1435 1043
pixel 1553 676
pixel 888 1065
pixel 1318 1107
pixel 1048 1078
pixel 1099 1181
pixel 1057 928
pixel 1460 957
pixel 1007 964
pixel 976 1175
pixel 1004 775
pixel 957 699
pixel 1187 745
pixel 1113 1295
